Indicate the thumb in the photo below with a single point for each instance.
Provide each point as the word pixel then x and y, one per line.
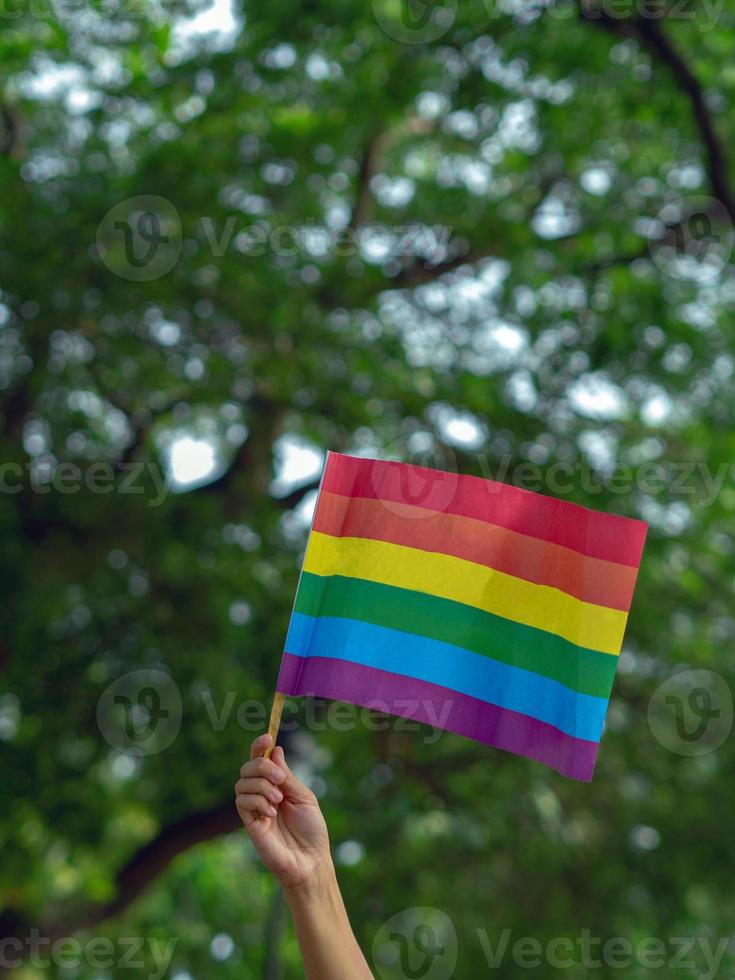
pixel 291 787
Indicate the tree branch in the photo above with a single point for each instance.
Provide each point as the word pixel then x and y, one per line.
pixel 653 37
pixel 155 857
pixel 657 42
pixel 669 236
pixel 294 498
pixel 145 865
pixel 419 273
pixel 368 166
pixel 143 868
pixel 253 457
pixel 10 133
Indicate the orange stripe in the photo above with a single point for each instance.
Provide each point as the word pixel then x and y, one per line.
pixel 594 580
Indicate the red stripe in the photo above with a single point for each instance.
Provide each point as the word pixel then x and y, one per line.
pixel 594 580
pixel 589 532
pixel 438 706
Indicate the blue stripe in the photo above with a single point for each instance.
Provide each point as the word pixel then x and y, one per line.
pixel 579 715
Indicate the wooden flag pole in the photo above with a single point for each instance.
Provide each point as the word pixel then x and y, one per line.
pixel 275 722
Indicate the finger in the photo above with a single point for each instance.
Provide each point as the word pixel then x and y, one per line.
pixel 254 804
pixel 252 820
pixel 292 786
pixel 265 768
pixel 260 744
pixel 263 787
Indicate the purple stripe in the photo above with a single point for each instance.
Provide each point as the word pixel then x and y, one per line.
pixel 438 706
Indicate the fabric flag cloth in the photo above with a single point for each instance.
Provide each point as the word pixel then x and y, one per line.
pixel 474 606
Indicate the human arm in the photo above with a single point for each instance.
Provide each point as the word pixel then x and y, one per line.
pixel 283 819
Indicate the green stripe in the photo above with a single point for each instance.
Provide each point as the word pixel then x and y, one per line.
pixel 578 668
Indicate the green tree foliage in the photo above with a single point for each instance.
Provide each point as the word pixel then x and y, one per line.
pixel 498 240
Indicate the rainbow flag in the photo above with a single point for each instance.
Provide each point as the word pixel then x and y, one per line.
pixel 474 606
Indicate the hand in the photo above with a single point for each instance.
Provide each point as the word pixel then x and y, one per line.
pixel 282 817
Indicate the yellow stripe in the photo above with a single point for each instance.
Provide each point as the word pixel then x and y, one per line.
pixel 542 606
